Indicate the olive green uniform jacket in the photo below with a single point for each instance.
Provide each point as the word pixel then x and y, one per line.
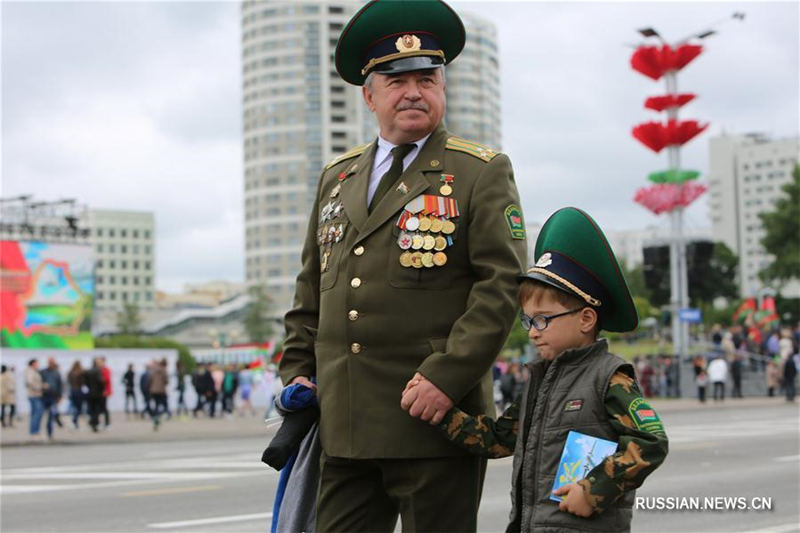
pixel 363 324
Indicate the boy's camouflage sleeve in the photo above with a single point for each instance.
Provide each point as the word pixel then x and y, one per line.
pixel 480 435
pixel 642 444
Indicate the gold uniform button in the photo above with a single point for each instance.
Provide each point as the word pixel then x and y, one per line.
pixel 355 283
pixel 359 250
pixel 355 347
pixel 353 315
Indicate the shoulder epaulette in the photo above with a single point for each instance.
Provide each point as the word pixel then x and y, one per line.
pixel 472 148
pixel 351 153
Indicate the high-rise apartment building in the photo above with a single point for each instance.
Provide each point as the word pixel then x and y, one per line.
pixel 124 257
pixel 298 114
pixel 473 85
pixel 747 173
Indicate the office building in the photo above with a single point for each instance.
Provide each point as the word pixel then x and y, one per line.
pixel 747 173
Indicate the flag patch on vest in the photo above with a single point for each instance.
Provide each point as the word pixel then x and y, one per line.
pixel 573 405
pixel 515 222
pixel 644 416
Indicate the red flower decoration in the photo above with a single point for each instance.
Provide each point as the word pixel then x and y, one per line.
pixel 656 135
pixel 665 197
pixel 654 62
pixel 660 103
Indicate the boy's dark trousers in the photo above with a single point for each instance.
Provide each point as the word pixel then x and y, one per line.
pixel 95 406
pixel 701 393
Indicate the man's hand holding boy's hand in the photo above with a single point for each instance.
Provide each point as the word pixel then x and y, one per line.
pixel 574 502
pixel 422 399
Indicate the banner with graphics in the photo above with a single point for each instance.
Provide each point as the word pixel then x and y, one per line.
pixel 46 295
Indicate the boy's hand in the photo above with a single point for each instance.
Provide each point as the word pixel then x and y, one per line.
pixel 574 502
pixel 422 399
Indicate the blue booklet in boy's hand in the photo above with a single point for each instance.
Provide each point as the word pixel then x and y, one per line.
pixel 581 454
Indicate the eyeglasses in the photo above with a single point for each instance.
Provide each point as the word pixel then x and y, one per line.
pixel 540 322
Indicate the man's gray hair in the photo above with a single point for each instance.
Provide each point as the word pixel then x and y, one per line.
pixel 370 77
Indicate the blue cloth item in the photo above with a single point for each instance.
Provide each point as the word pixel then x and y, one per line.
pixel 283 480
pixel 295 397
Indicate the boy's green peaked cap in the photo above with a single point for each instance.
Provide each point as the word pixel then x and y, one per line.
pixel 573 255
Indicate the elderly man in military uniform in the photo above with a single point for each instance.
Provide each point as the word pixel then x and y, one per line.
pixel 408 272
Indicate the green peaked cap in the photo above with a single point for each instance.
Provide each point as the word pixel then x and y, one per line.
pixel 573 255
pixel 398 36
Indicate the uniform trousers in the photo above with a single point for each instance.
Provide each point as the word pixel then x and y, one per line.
pixel 429 494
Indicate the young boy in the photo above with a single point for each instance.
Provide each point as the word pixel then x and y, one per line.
pixel 574 290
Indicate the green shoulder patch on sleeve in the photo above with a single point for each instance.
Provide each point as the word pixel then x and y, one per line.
pixel 351 153
pixel 644 416
pixel 516 224
pixel 474 149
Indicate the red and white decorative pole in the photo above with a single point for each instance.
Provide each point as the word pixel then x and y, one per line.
pixel 674 189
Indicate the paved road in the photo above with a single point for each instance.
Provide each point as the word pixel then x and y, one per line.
pixel 217 484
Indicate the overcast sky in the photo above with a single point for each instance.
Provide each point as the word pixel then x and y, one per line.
pixel 137 106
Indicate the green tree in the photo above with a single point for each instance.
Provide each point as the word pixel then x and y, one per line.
pixel 257 322
pixel 716 280
pixel 781 229
pixel 129 321
pixel 517 339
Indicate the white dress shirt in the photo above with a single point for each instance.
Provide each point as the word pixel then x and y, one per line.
pixel 383 161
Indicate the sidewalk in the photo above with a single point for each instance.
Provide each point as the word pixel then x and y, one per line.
pixel 666 405
pixel 133 428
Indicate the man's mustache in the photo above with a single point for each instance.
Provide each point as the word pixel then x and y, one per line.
pixel 422 106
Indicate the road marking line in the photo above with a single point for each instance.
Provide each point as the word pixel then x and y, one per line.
pixel 176 490
pixel 783 528
pixel 214 520
pixel 787 458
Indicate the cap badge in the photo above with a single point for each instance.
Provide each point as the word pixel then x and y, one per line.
pixel 408 43
pixel 545 260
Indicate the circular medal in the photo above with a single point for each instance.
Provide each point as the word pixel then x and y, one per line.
pixel 427 260
pixel 404 241
pixel 424 223
pixel 428 242
pixel 445 190
pixel 436 225
pixel 448 227
pixel 416 259
pixel 417 241
pixel 412 224
pixel 440 243
pixel 405 259
pixel 439 259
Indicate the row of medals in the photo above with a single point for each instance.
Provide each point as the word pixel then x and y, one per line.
pixel 427 246
pixel 331 227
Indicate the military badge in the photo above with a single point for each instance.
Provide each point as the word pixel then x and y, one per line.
pixel 644 416
pixel 515 222
pixel 573 405
pixel 408 43
pixel 545 260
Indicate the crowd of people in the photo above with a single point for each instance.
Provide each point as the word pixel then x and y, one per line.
pixel 85 392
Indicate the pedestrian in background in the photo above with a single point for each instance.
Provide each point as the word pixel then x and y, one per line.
pixel 230 382
pixel 129 380
pixel 144 388
pixel 8 389
pixel 95 384
pixel 180 387
pixel 75 380
pixel 789 375
pixel 736 375
pixel 33 386
pixel 217 376
pixel 52 390
pixel 106 371
pixel 702 381
pixel 718 374
pixel 246 388
pixel 200 383
pixel 158 391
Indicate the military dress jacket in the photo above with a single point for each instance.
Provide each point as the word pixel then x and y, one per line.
pixel 363 323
